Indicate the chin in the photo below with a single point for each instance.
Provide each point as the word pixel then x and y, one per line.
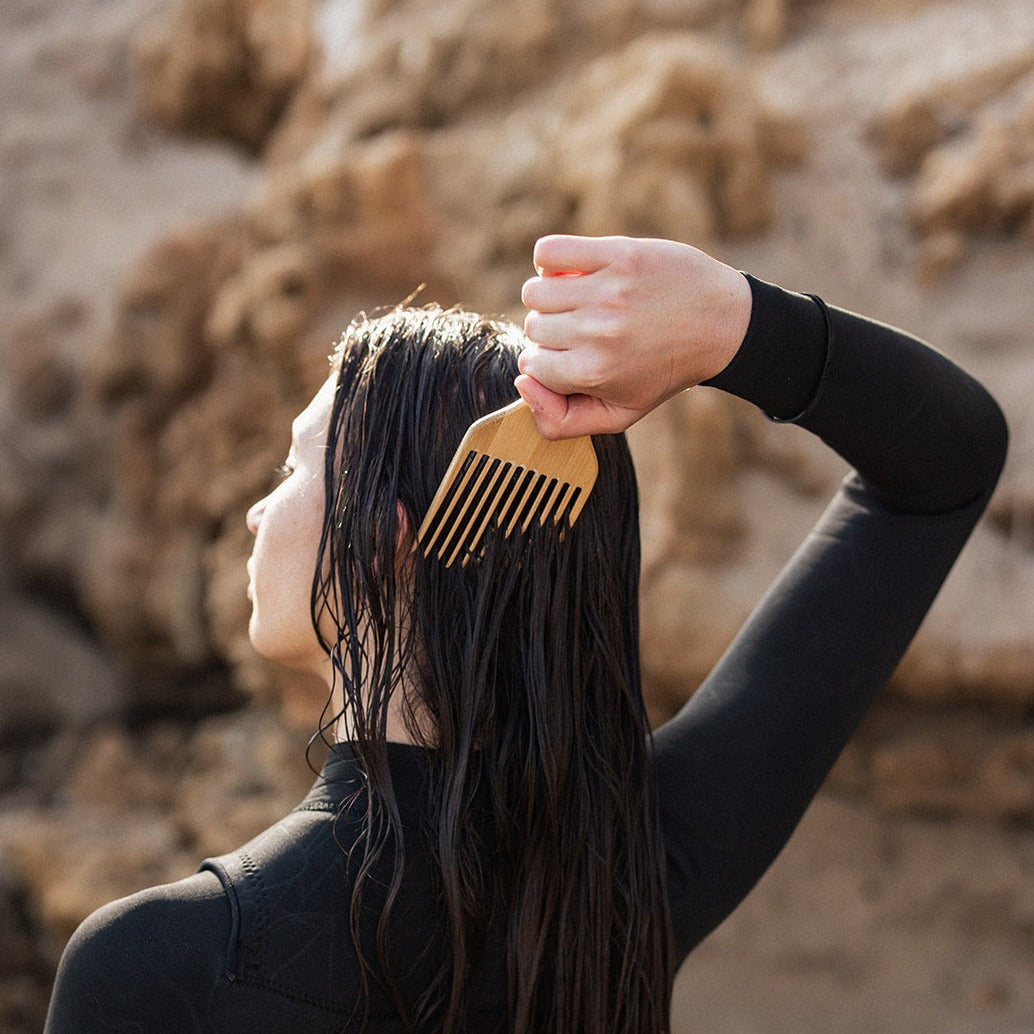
pixel 299 652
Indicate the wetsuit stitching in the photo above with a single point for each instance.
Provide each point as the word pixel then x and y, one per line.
pixel 273 987
pixel 254 877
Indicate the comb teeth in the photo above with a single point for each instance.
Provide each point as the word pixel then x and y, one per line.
pixel 487 491
pixel 505 475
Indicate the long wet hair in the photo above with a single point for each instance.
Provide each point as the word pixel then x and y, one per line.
pixel 519 670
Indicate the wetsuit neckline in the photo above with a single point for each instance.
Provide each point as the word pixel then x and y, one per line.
pixel 340 775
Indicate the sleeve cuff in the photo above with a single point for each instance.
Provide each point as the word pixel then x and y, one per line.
pixel 781 363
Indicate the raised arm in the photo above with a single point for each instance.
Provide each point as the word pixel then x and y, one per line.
pixel 738 766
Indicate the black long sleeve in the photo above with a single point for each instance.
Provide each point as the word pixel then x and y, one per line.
pixel 925 435
pixel 738 766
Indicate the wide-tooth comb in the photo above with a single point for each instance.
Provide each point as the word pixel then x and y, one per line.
pixel 504 472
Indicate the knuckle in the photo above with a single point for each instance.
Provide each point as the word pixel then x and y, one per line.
pixel 591 373
pixel 609 327
pixel 622 297
pixel 625 254
pixel 532 325
pixel 527 361
pixel 543 249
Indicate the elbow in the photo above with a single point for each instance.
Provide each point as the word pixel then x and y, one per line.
pixel 981 449
pixel 991 444
pixel 998 446
pixel 963 467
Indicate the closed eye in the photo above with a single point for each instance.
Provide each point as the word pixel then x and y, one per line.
pixel 283 470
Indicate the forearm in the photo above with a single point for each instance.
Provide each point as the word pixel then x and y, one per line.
pixel 924 435
pixel 738 766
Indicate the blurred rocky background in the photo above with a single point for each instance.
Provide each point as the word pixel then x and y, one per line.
pixel 196 196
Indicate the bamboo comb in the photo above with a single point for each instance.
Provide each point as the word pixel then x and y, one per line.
pixel 505 473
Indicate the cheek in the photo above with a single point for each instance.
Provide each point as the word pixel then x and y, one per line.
pixel 283 562
pixel 289 532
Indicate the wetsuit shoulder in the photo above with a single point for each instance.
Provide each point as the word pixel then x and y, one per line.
pixel 137 963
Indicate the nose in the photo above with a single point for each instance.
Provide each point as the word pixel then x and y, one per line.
pixel 255 516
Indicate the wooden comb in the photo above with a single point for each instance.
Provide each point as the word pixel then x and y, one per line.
pixel 505 473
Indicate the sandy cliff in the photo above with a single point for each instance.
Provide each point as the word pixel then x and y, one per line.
pixel 195 198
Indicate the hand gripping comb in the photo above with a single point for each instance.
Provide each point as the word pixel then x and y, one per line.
pixel 505 473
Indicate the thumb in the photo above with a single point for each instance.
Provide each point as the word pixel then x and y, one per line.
pixel 549 408
pixel 567 416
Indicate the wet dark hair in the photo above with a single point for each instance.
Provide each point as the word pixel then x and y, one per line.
pixel 520 672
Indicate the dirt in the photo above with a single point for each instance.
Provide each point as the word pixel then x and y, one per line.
pixel 869 922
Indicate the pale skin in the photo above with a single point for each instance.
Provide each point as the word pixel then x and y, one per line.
pixel 618 325
pixel 286 524
pixel 615 327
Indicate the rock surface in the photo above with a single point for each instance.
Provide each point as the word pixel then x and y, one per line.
pixel 168 306
pixel 222 68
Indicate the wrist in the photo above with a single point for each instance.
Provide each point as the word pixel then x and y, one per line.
pixel 783 352
pixel 735 310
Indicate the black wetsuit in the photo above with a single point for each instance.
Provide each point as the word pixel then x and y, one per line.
pixel 258 941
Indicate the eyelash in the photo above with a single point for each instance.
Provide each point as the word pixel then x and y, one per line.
pixel 282 470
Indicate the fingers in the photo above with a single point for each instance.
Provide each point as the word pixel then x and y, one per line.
pixel 553 293
pixel 549 367
pixel 570 416
pixel 564 253
pixel 548 407
pixel 565 285
pixel 557 331
pixel 574 376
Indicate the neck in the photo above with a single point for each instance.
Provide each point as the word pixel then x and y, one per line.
pixel 396 730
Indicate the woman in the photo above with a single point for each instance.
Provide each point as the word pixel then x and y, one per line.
pixel 495 842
